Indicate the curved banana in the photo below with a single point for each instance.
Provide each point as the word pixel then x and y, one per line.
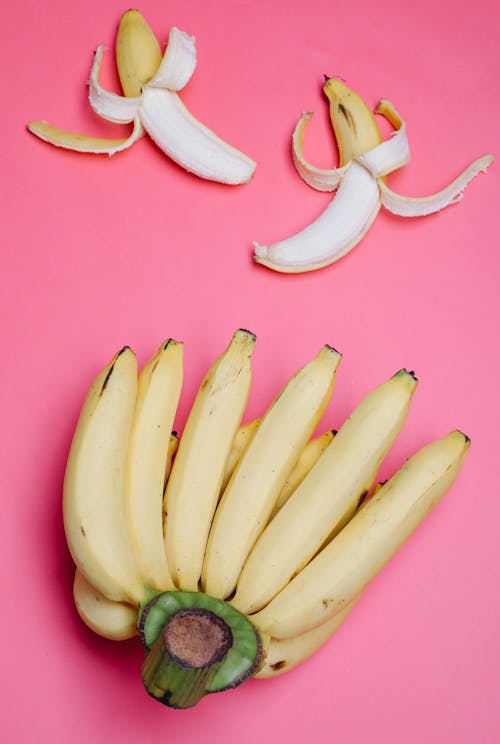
pixel 249 498
pixel 93 508
pixel 195 481
pixel 159 389
pixel 328 496
pixel 114 620
pixel 341 571
pixel 283 654
pixel 307 459
pixel 150 84
pixel 360 178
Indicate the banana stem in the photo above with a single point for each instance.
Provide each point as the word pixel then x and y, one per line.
pixel 196 644
pixel 185 657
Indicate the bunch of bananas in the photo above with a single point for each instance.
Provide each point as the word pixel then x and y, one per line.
pixel 235 550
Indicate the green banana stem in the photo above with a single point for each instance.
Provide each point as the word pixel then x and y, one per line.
pixel 196 645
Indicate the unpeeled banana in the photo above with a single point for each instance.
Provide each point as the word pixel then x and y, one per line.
pixel 278 578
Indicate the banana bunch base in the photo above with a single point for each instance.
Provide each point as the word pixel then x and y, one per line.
pixel 236 550
pixel 195 645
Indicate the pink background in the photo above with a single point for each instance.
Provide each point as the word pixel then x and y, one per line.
pixel 99 253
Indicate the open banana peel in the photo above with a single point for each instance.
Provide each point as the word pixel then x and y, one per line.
pixel 151 103
pixel 235 550
pixel 364 161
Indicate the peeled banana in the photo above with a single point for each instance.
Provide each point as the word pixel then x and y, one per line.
pixel 257 549
pixel 151 103
pixel 364 161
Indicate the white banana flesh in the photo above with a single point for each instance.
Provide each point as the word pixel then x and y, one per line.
pixel 195 482
pixel 114 620
pixel 151 102
pixel 329 495
pixel 189 142
pixel 251 494
pixel 283 654
pixel 159 390
pixel 334 233
pixel 93 504
pixel 343 568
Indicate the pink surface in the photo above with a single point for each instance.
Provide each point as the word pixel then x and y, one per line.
pixel 99 253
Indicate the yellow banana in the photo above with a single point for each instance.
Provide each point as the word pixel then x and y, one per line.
pixel 329 495
pixel 159 389
pixel 94 514
pixel 194 485
pixel 343 568
pixel 251 494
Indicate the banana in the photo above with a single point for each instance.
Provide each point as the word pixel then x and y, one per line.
pixel 151 102
pixel 93 508
pixel 114 620
pixel 249 498
pixel 138 53
pixel 354 557
pixel 159 389
pixel 195 482
pixel 349 215
pixel 364 161
pixel 284 654
pixel 328 496
pixel 308 458
pixel 242 439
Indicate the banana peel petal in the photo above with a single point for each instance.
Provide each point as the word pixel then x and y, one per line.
pixel 420 206
pixel 178 63
pixel 110 106
pixel 83 142
pixel 321 179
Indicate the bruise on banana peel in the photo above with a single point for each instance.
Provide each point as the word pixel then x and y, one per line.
pixel 150 82
pixel 127 579
pixel 364 162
